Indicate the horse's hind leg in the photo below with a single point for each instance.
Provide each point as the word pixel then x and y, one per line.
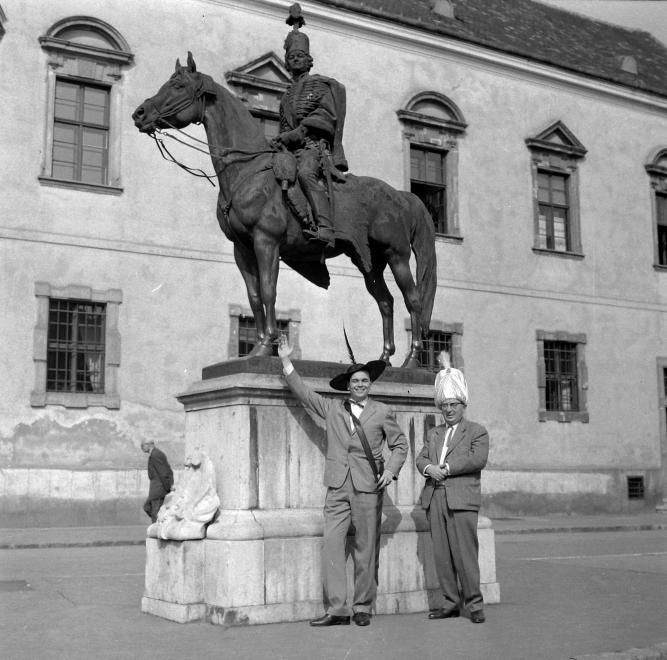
pixel 377 287
pixel 400 267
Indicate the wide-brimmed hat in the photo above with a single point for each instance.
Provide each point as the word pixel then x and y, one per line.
pixel 374 368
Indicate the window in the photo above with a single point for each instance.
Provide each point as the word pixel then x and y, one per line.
pixel 75 351
pixel 636 488
pixel 260 84
pixel 81 133
pixel 243 331
pixel 77 347
pixel 553 224
pixel 661 213
pixel 556 153
pixel 562 376
pixel 657 170
pixel 428 182
pixel 82 139
pixel 432 125
pixel 441 337
pixel 248 334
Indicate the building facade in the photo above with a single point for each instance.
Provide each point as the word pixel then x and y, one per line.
pixel 544 168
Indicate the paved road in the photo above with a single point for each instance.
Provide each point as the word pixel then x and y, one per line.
pixel 563 595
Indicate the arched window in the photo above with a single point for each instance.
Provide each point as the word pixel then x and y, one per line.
pixel 432 126
pixel 86 58
pixel 657 170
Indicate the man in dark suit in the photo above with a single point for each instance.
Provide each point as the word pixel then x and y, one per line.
pixel 451 460
pixel 354 488
pixel 161 478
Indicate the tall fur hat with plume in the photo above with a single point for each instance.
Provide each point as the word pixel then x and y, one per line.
pixel 374 368
pixel 450 383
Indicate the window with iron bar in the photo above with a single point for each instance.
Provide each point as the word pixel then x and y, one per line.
pixel 635 488
pixel 75 348
pixel 432 344
pixel 248 334
pixel 560 362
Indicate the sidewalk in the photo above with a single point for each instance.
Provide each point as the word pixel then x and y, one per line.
pixel 61 537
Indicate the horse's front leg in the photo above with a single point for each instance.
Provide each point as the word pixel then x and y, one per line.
pixel 268 262
pixel 247 265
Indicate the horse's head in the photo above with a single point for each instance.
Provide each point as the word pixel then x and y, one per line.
pixel 179 102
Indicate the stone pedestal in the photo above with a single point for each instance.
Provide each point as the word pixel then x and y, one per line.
pixel 260 561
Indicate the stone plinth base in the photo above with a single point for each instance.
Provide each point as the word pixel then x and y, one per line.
pixel 260 561
pixel 264 567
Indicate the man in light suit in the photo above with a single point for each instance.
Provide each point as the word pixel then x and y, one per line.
pixel 160 476
pixel 354 493
pixel 452 460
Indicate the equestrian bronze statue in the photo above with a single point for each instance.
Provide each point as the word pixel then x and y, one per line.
pixel 373 224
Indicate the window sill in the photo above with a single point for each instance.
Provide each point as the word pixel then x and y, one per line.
pixel 448 238
pixel 660 267
pixel 74 400
pixel 558 253
pixel 563 417
pixel 79 185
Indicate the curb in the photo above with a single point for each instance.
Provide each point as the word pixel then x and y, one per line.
pixel 656 652
pixel 582 528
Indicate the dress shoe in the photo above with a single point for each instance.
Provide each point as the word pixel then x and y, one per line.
pixel 362 618
pixel 477 616
pixel 331 620
pixel 443 614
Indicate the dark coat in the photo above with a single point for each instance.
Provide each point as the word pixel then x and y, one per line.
pixel 466 455
pixel 160 475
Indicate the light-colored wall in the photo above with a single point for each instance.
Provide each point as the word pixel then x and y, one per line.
pixel 160 244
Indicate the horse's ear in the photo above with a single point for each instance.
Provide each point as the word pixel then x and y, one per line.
pixel 191 63
pixel 178 64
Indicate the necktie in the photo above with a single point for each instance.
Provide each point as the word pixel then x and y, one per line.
pixel 448 437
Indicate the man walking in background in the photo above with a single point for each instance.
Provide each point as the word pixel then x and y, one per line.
pixel 161 478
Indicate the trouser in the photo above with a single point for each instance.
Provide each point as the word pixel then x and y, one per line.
pixel 309 178
pixel 151 507
pixel 343 507
pixel 455 551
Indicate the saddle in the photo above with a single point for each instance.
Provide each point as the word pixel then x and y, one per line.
pixel 285 170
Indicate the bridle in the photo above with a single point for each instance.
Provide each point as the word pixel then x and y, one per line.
pixel 197 96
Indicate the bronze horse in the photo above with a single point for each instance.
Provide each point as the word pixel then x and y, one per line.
pixel 253 214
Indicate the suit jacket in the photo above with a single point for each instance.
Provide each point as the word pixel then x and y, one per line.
pixel 466 455
pixel 160 474
pixel 345 453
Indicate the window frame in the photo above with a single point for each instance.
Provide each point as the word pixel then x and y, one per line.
pixel 556 151
pixel 432 133
pixel 657 171
pixel 580 415
pixel 291 316
pixel 112 298
pixel 85 64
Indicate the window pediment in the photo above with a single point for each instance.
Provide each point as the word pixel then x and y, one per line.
pixel 557 137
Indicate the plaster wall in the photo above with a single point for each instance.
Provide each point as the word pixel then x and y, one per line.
pixel 159 243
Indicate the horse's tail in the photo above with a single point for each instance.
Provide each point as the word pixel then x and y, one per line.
pixel 422 242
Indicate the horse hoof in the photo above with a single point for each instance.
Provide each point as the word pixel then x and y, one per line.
pixel 410 363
